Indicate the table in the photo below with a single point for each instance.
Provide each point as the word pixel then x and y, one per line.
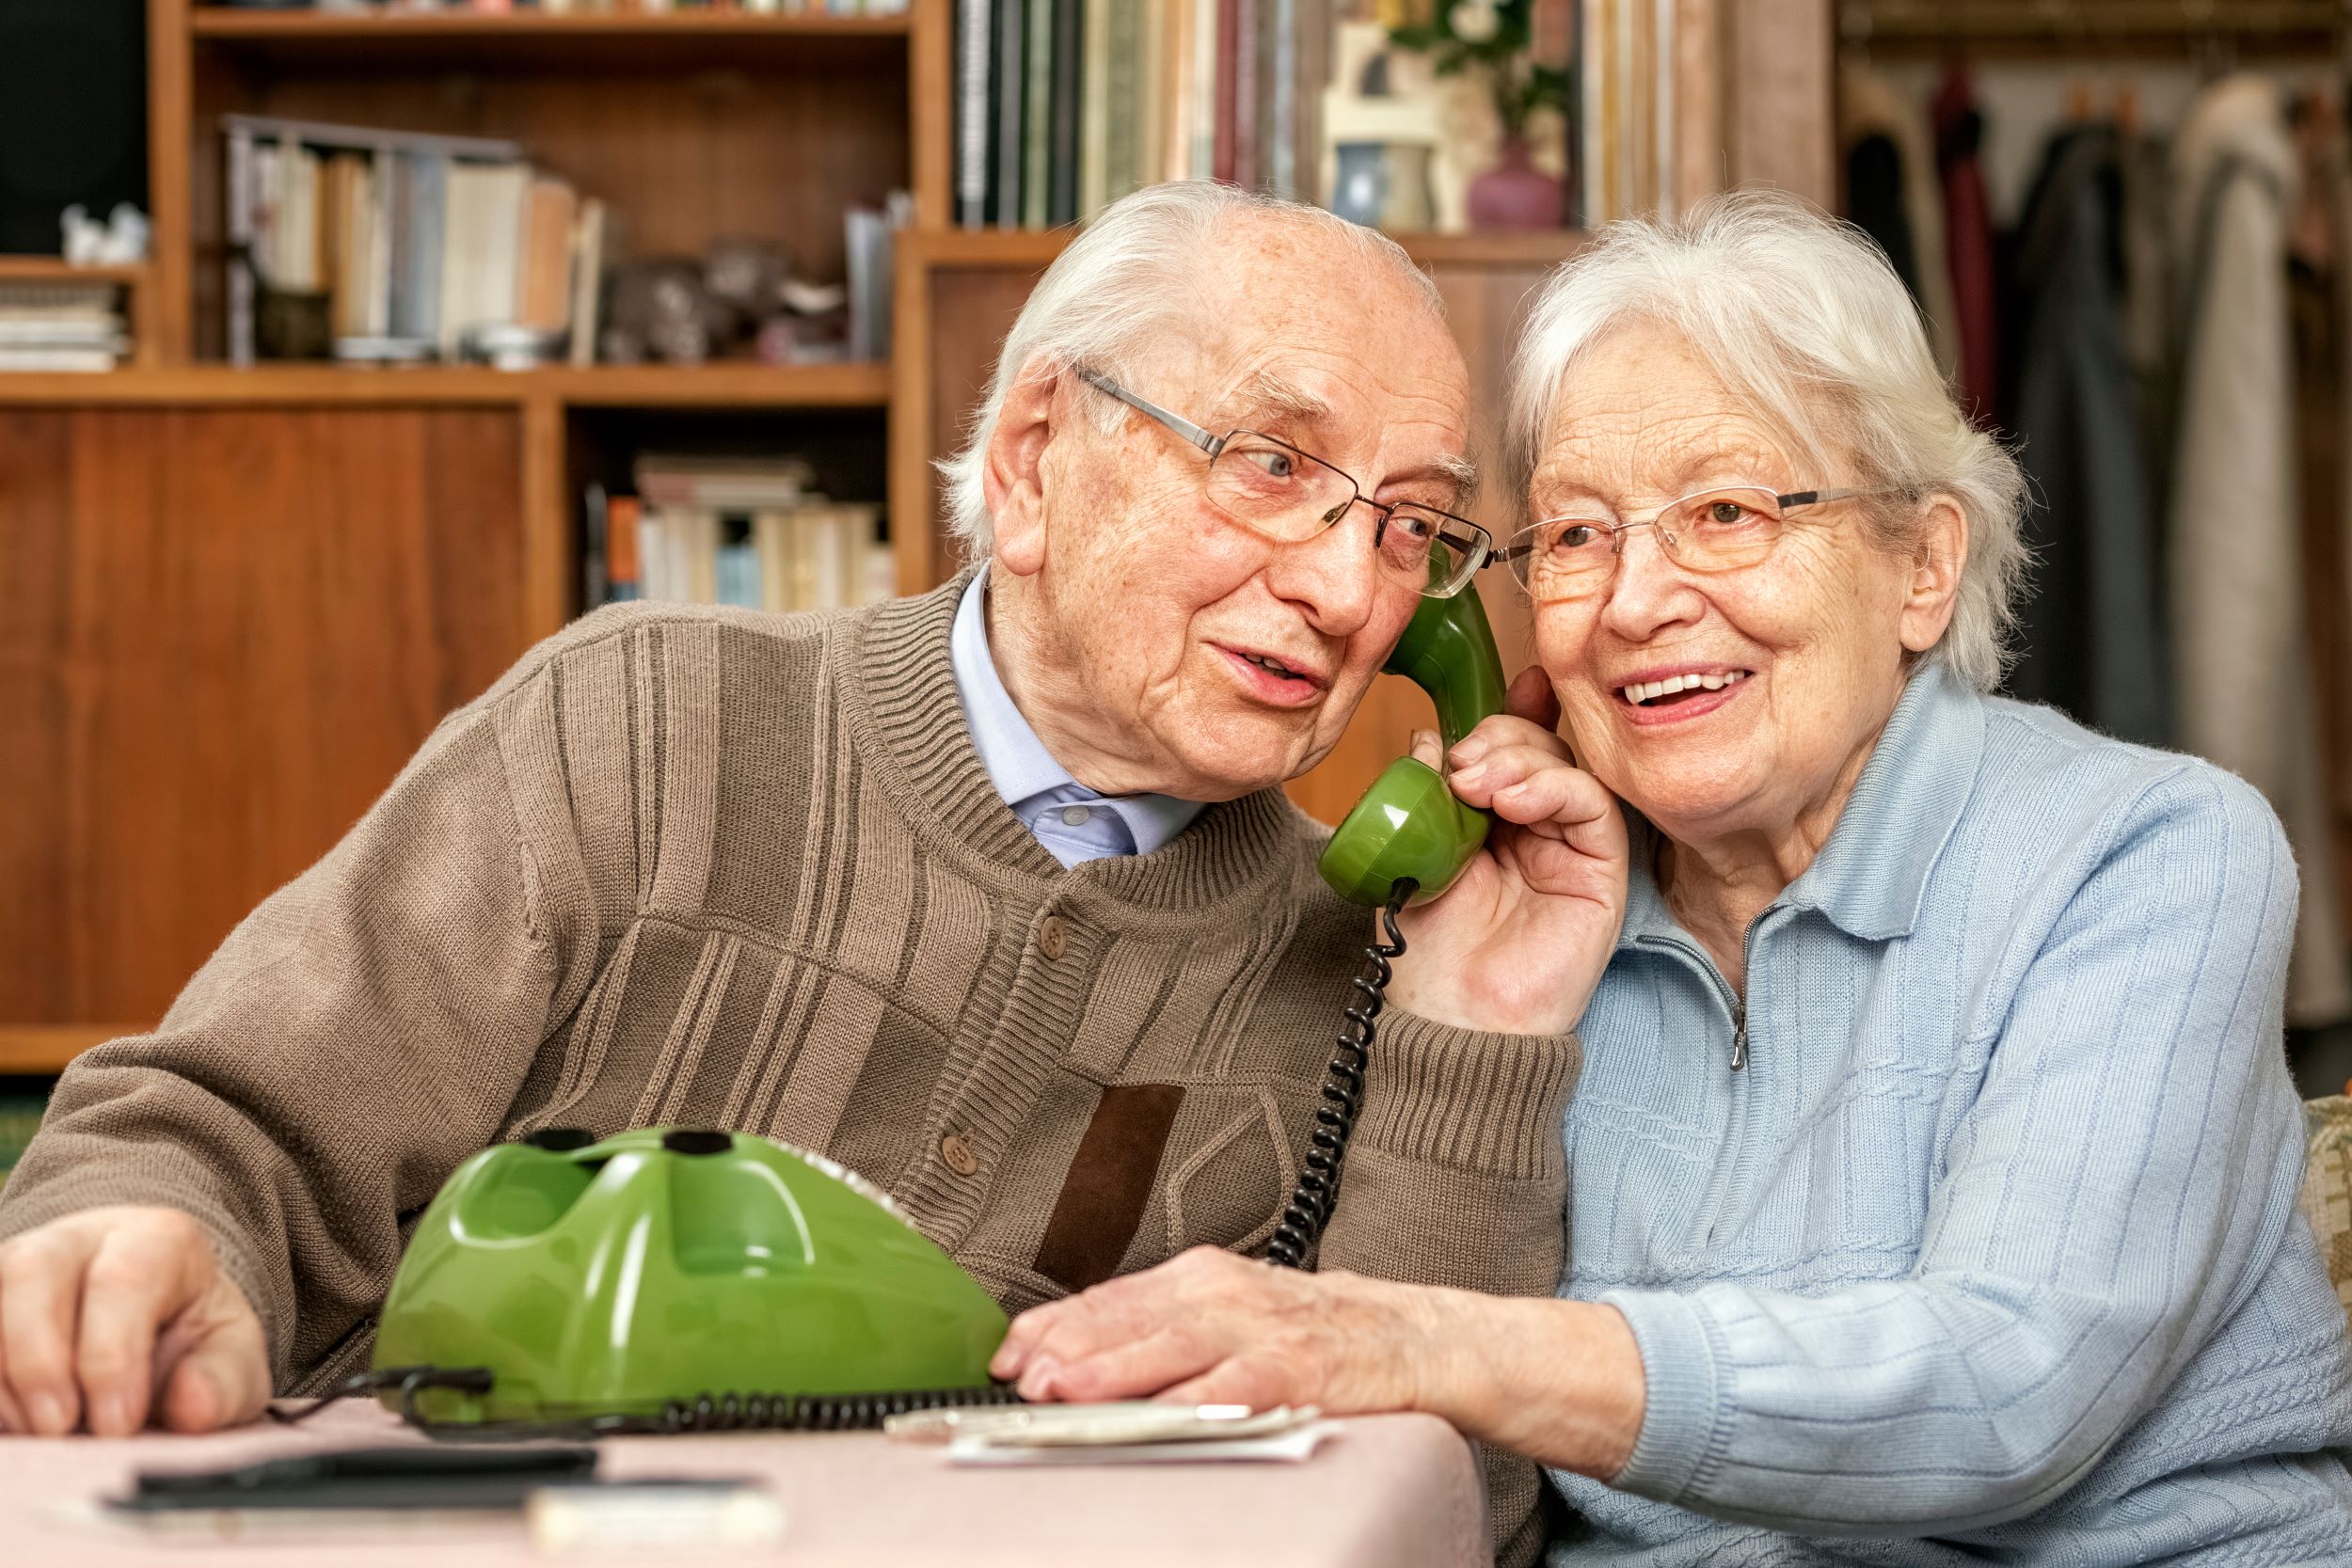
pixel 1382 1490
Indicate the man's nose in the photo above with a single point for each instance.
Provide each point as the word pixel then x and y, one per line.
pixel 1333 575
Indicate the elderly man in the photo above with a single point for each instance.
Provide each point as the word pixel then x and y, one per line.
pixel 990 894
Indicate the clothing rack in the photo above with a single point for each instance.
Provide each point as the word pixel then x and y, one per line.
pixel 2221 29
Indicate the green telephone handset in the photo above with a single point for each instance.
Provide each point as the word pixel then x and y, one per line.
pixel 1409 825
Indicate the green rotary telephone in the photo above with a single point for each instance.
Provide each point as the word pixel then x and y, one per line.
pixel 671 1280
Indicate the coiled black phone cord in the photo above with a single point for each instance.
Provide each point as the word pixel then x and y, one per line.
pixel 726 1411
pixel 1311 1205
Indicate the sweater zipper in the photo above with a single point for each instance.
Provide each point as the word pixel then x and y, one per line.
pixel 1739 1035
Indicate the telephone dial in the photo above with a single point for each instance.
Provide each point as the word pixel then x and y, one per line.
pixel 678 1280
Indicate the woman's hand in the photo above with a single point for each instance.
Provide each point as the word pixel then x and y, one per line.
pixel 1207 1327
pixel 1517 944
pixel 1559 1381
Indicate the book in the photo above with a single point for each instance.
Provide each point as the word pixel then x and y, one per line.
pixel 482 250
pixel 421 261
pixel 592 253
pixel 544 266
pixel 623 571
pixel 974 46
pixel 1009 82
pixel 1037 113
pixel 1061 205
pixel 1225 126
pixel 1094 117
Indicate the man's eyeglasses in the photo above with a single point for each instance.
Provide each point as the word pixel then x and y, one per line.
pixel 1283 494
pixel 1720 530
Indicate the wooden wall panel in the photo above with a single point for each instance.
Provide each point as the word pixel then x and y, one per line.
pixel 221 650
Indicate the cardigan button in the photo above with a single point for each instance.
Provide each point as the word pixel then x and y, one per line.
pixel 1052 936
pixel 956 1151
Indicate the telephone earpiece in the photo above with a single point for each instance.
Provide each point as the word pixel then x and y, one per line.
pixel 1409 825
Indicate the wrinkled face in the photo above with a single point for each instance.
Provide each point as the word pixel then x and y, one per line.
pixel 1791 666
pixel 1158 614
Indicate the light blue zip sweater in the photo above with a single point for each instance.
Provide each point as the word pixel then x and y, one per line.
pixel 1990 1248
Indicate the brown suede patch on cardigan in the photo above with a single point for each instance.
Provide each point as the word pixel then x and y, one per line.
pixel 1109 1182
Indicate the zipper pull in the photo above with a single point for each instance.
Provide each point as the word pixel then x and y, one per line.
pixel 1740 1039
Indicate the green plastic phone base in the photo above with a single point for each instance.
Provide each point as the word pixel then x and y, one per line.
pixel 1409 823
pixel 614 1278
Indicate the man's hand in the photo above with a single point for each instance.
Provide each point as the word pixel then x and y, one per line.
pixel 114 1316
pixel 1519 941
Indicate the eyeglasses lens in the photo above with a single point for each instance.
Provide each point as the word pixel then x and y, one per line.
pixel 1716 530
pixel 1285 494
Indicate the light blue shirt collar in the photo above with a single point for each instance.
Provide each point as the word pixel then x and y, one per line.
pixel 1870 877
pixel 1072 822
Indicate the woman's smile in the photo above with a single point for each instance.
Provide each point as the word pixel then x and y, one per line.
pixel 1655 698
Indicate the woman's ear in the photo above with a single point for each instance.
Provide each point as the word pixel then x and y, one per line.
pixel 1013 470
pixel 1933 591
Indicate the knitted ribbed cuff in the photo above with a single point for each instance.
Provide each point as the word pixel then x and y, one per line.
pixel 1469 1098
pixel 56 1200
pixel 1686 1419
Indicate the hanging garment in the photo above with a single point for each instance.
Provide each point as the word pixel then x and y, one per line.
pixel 2322 292
pixel 1869 107
pixel 2090 634
pixel 2150 290
pixel 2241 639
pixel 1968 243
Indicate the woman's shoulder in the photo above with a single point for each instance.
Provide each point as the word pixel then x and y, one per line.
pixel 2049 780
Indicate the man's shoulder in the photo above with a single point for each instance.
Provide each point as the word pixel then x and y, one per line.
pixel 595 634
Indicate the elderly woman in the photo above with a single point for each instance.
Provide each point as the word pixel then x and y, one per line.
pixel 1935 1161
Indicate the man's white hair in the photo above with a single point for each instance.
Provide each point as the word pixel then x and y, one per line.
pixel 1138 274
pixel 1804 320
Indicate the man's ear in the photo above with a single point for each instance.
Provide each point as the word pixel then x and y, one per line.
pixel 1013 470
pixel 1933 591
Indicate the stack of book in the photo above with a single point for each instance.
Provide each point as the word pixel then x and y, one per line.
pixel 735 531
pixel 413 240
pixel 61 326
pixel 1063 107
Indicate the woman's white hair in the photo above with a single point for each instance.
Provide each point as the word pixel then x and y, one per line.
pixel 1804 320
pixel 1134 276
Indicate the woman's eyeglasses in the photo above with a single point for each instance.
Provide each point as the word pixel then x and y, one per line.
pixel 1719 529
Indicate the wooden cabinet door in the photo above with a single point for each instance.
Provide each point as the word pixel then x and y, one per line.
pixel 227 629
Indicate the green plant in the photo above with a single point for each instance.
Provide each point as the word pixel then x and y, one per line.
pixel 1490 38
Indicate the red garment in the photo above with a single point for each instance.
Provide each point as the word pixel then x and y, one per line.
pixel 1968 242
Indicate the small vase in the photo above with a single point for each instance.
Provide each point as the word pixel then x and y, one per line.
pixel 1515 194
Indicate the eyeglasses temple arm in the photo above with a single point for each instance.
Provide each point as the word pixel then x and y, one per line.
pixel 1815 497
pixel 1176 422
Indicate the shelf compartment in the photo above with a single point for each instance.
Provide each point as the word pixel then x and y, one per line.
pixel 471 41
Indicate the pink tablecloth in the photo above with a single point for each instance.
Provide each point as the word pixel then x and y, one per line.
pixel 1387 1489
